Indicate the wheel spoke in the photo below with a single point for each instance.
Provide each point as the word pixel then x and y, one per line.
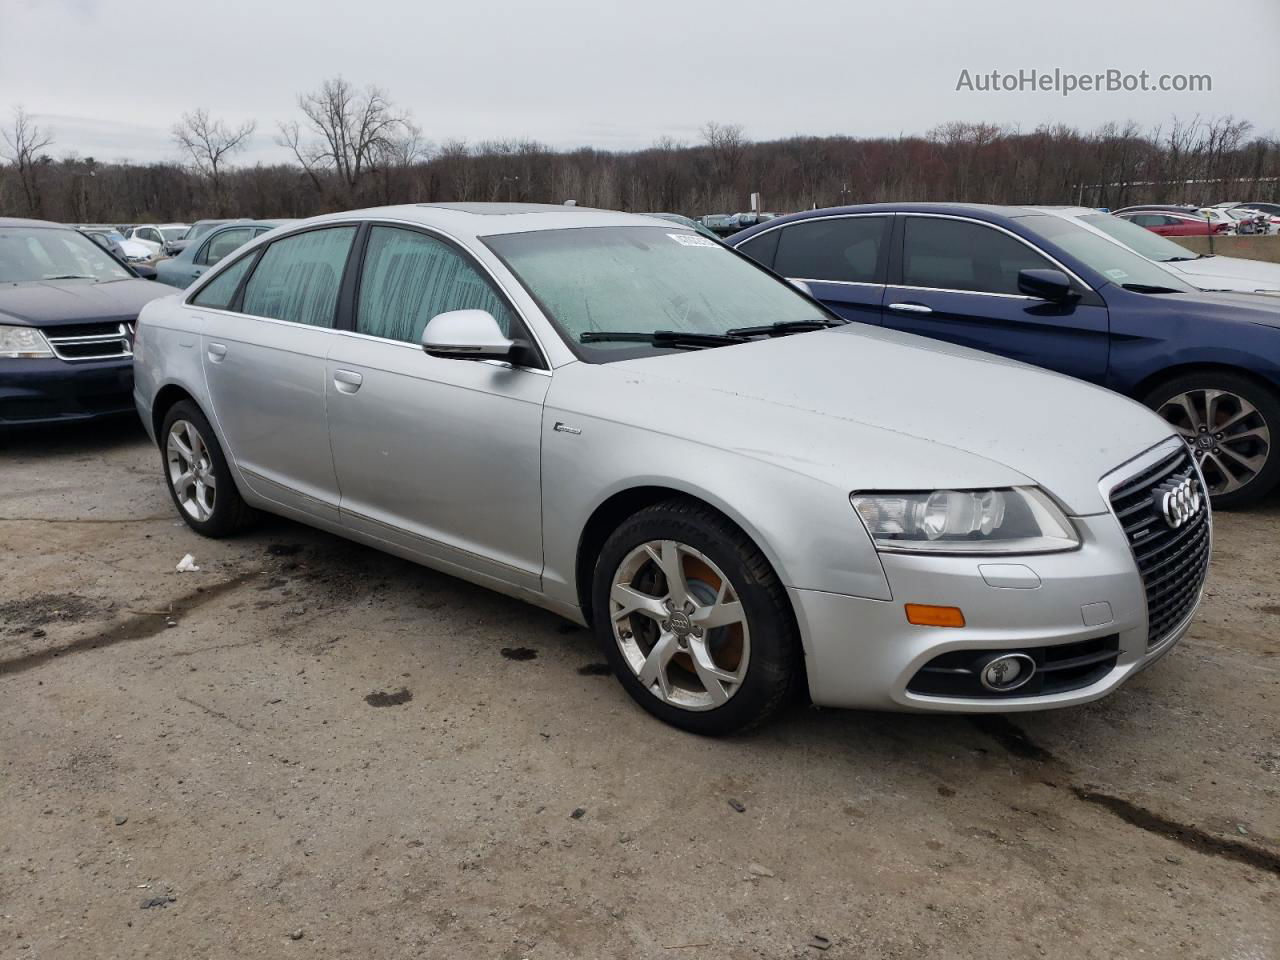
pixel 1256 433
pixel 183 481
pixel 1229 481
pixel 184 451
pixel 631 600
pixel 1252 464
pixel 668 559
pixel 713 677
pixel 654 670
pixel 1184 401
pixel 1246 411
pixel 721 613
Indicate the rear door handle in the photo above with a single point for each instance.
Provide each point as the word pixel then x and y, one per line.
pixel 217 352
pixel 910 308
pixel 347 381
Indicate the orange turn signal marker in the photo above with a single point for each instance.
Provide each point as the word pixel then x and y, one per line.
pixel 927 615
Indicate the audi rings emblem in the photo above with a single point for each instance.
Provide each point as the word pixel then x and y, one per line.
pixel 1178 501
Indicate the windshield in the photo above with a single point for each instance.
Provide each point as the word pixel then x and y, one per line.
pixel 1117 263
pixel 1139 239
pixel 602 280
pixel 28 254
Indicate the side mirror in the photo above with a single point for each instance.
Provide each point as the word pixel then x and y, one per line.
pixel 802 287
pixel 1051 285
pixel 467 335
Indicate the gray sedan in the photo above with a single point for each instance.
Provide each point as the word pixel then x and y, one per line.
pixel 624 422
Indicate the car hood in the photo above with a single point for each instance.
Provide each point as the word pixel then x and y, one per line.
pixel 867 408
pixel 54 302
pixel 132 248
pixel 1242 274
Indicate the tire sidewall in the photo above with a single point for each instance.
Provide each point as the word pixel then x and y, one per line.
pixel 770 630
pixel 1267 404
pixel 223 520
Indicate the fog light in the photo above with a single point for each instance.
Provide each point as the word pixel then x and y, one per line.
pixel 927 615
pixel 1007 672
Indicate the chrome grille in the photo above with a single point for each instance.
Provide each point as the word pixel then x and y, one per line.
pixel 1173 561
pixel 91 341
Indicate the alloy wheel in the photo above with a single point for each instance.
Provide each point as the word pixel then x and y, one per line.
pixel 1228 435
pixel 680 625
pixel 191 470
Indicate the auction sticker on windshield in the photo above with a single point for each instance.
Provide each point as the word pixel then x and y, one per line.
pixel 692 240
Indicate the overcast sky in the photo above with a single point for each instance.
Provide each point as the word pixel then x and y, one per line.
pixel 109 78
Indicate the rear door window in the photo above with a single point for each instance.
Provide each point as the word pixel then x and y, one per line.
pixel 841 249
pixel 959 255
pixel 297 277
pixel 761 248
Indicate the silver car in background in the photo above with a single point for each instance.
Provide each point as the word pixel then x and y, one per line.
pixel 629 424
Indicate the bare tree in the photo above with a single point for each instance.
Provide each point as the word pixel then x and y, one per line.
pixel 210 142
pixel 25 145
pixel 351 131
pixel 728 145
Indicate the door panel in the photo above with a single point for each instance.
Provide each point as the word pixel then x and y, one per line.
pixel 267 383
pixel 439 456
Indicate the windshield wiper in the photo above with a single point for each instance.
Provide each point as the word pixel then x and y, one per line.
pixel 71 276
pixel 1148 288
pixel 783 328
pixel 661 338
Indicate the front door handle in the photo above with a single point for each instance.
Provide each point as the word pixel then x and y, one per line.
pixel 910 308
pixel 347 381
pixel 217 352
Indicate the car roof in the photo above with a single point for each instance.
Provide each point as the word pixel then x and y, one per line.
pixel 991 213
pixel 23 222
pixel 472 220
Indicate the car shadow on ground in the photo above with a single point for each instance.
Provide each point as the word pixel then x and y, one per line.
pixel 60 440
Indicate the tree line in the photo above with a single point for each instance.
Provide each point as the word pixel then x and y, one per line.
pixel 352 146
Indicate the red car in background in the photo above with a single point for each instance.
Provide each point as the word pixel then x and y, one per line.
pixel 1171 223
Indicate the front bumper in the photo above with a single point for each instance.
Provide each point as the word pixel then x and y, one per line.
pixel 864 653
pixel 39 392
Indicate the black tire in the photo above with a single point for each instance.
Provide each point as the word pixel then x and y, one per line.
pixel 774 665
pixel 1267 404
pixel 230 514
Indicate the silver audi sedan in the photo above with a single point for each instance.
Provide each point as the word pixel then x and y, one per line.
pixel 624 422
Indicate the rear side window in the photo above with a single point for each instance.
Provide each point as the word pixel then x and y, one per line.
pixel 219 292
pixel 958 255
pixel 761 248
pixel 222 244
pixel 297 278
pixel 845 249
pixel 409 277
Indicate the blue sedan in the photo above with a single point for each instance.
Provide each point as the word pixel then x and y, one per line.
pixel 1040 289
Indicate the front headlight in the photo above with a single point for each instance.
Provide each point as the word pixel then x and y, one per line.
pixel 1011 520
pixel 23 342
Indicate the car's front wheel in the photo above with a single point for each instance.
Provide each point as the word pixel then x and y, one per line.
pixel 197 474
pixel 1229 422
pixel 693 619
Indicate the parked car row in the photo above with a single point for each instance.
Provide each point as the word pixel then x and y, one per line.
pixel 1188 221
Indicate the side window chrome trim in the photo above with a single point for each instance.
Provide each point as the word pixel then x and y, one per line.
pixel 995 226
pixel 840 283
pixel 975 293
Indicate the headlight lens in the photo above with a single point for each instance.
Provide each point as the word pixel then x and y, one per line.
pixel 1010 520
pixel 25 342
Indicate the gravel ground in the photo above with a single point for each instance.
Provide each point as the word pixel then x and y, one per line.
pixel 311 749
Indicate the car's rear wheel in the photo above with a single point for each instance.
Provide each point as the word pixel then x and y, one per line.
pixel 197 474
pixel 693 619
pixel 1230 423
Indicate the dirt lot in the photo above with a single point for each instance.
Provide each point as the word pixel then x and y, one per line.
pixel 311 749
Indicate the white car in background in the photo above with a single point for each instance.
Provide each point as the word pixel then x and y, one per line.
pixel 1206 271
pixel 155 235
